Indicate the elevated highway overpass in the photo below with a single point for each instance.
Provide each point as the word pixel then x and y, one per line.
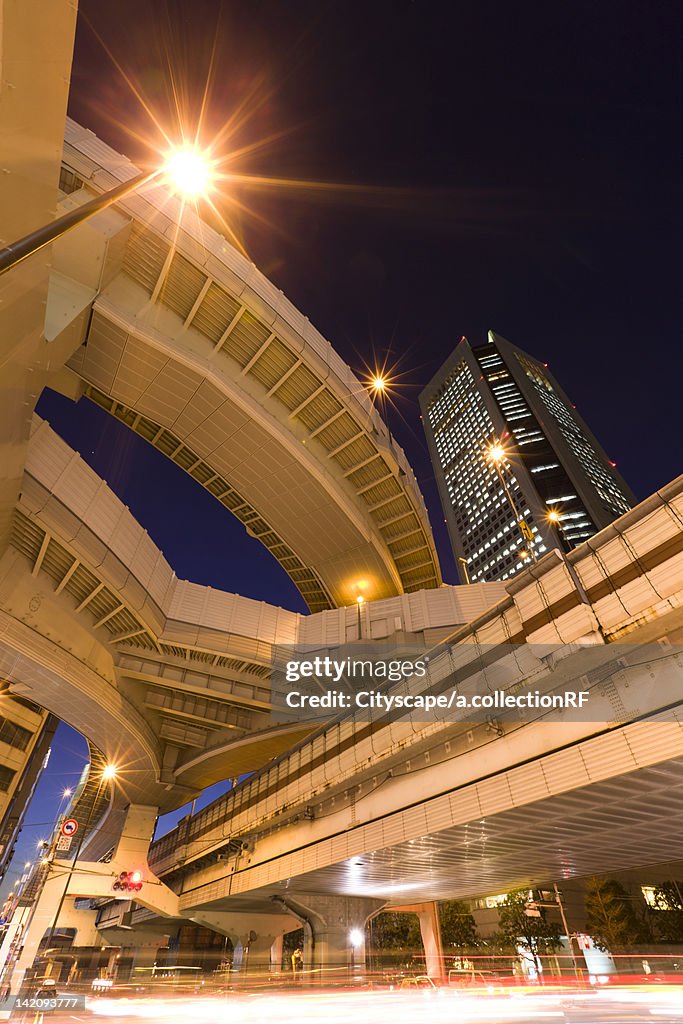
pixel 169 679
pixel 607 618
pixel 164 325
pixel 366 814
pixel 155 317
pixel 162 322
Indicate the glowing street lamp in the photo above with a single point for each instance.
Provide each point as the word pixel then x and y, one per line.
pixel 496 455
pixel 189 172
pixel 380 382
pixel 555 519
pixel 107 775
pixel 186 171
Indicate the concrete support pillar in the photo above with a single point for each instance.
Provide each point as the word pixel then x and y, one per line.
pixel 237 955
pixel 42 918
pixel 256 938
pixel 430 930
pixel 276 955
pixel 82 921
pixel 257 949
pixel 335 931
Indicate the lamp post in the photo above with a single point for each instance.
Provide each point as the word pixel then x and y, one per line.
pixel 108 774
pixel 496 455
pixel 463 564
pixel 24 247
pixel 360 601
pixel 187 171
pixel 555 520
pixel 378 387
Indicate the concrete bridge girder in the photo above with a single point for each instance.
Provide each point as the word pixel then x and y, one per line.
pixel 87 286
pixel 38 667
pixel 85 576
pixel 49 655
pixel 154 330
pixel 524 772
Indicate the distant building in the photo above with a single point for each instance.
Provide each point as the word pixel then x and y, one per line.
pixel 26 732
pixel 508 448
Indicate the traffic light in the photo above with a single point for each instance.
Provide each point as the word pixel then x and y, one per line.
pixel 129 881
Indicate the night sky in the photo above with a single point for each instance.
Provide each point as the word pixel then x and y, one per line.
pixel 496 165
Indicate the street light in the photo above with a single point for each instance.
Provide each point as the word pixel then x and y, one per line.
pixel 463 565
pixel 380 381
pixel 108 773
pixel 360 601
pixel 186 171
pixel 554 518
pixel 496 454
pixel 189 172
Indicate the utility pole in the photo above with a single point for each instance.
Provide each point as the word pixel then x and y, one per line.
pixel 531 910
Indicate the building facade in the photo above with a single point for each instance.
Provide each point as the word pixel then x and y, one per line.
pixel 26 732
pixel 518 469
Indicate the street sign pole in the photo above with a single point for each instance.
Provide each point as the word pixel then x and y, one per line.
pixel 72 866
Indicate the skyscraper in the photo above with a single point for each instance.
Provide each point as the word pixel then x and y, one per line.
pixel 26 731
pixel 518 469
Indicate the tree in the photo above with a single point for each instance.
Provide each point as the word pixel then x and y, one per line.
pixel 666 917
pixel 611 915
pixel 391 930
pixel 535 936
pixel 458 928
pixel 498 944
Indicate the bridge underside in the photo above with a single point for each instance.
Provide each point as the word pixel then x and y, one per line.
pixel 193 349
pixel 630 821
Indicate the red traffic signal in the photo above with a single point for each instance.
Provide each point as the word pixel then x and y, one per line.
pixel 128 881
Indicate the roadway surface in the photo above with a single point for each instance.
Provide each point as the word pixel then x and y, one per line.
pixel 606 1006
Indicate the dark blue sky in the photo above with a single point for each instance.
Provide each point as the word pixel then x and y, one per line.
pixel 515 167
